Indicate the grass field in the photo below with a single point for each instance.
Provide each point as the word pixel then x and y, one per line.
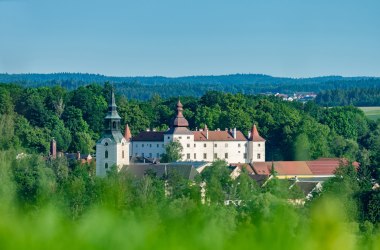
pixel 371 112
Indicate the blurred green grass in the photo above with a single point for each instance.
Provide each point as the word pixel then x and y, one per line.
pixel 265 222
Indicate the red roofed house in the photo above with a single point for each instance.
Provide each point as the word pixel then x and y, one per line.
pixel 323 167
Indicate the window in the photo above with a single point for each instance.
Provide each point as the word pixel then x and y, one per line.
pixel 142 154
pixel 179 137
pixel 106 154
pixel 168 137
pixel 122 154
pixel 226 155
pixel 195 156
pixel 137 145
pixel 226 145
pixel 215 145
pixel 238 145
pixel 245 155
pixel 215 156
pixel 205 156
pixel 150 145
pixel 158 145
pixel 157 155
pixel 258 156
pixel 150 155
pixel 188 137
pixel 245 144
pixel 205 145
pixel 114 124
pixel 195 145
pixel 163 145
pixel 106 165
pixel 258 145
pixel 188 156
pixel 106 144
pixel 188 145
pixel 142 145
pixel 122 144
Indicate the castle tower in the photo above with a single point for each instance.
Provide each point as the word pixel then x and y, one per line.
pixel 179 132
pixel 112 148
pixel 256 146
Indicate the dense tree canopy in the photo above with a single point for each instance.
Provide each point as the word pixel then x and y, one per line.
pixel 31 117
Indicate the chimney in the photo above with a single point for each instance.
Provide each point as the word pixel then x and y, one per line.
pixel 53 149
pixel 249 134
pixel 78 155
pixel 206 129
pixel 234 133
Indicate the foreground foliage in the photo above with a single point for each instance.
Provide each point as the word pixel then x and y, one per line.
pixel 60 205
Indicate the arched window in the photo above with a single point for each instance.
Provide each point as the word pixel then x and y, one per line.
pixel 106 154
pixel 114 124
pixel 122 154
pixel 106 165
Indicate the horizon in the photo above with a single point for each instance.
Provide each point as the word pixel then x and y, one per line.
pixel 169 38
pixel 196 75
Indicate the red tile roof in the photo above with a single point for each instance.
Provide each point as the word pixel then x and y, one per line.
pixel 323 166
pixel 262 168
pixel 127 133
pixel 149 136
pixel 255 136
pixel 292 168
pixel 327 166
pixel 218 136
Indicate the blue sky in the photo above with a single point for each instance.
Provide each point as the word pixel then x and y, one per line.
pixel 172 38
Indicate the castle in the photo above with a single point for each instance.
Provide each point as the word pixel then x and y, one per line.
pixel 230 145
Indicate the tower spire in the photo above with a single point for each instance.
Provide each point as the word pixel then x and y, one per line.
pixel 180 120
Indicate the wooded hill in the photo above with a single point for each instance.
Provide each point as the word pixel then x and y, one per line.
pixel 144 88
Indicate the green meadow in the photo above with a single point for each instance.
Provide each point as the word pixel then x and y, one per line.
pixel 55 205
pixel 372 113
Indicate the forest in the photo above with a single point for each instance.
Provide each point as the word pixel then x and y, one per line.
pixel 358 97
pixel 60 204
pixel 144 88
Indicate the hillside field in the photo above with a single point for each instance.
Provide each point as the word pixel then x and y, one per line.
pixel 371 112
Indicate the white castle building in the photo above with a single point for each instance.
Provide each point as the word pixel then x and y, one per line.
pixel 201 145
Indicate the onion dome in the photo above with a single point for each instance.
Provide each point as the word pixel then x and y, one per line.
pixel 180 120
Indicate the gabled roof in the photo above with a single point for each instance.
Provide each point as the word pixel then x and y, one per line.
pixel 261 168
pixel 292 168
pixel 149 136
pixel 218 136
pixel 320 167
pixel 327 166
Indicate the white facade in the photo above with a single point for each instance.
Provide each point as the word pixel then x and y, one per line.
pixel 112 149
pixel 243 151
pixel 110 153
pixel 203 145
